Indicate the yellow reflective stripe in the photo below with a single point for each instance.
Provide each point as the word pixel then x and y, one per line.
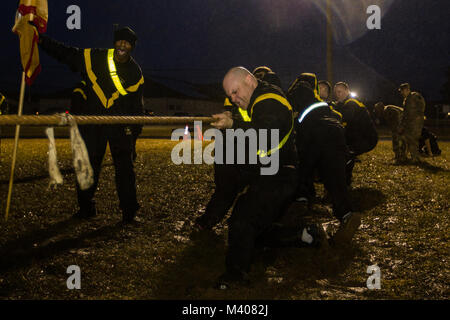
pixel 80 91
pixel 277 97
pixel 227 103
pixel 244 115
pixel 107 103
pixel 293 85
pixel 335 111
pixel 113 73
pixel 316 91
pixel 116 94
pixel 135 87
pixel 317 95
pixel 83 82
pixel 263 154
pixel 357 102
pixel 98 91
pixel 2 99
pixel 284 102
pixel 316 87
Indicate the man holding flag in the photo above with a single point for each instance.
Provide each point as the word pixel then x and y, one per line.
pixel 114 86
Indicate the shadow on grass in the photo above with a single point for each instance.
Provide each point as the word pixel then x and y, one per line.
pixel 425 165
pixel 44 176
pixel 35 178
pixel 46 243
pixel 194 270
pixel 276 273
pixel 429 167
pixel 366 198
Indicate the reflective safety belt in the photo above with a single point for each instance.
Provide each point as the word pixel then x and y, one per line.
pixel 113 73
pixel 311 108
pixel 285 103
pixel 337 112
pixel 315 89
pixel 81 92
pixel 355 101
pixel 2 99
pixel 227 103
pixel 244 115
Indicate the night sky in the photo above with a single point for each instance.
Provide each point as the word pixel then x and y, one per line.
pixel 199 40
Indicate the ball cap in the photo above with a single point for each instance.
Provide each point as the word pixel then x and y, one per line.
pixel 126 34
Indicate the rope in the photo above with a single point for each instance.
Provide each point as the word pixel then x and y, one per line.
pixel 62 120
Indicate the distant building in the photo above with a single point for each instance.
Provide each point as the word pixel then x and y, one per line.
pixel 166 97
pixel 182 107
pixel 55 105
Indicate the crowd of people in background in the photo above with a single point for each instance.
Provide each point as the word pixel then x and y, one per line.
pixel 323 130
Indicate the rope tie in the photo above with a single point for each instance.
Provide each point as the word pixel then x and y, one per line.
pixel 53 170
pixel 81 163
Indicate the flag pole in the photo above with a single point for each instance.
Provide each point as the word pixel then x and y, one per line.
pixel 16 143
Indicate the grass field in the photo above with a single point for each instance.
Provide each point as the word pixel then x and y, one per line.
pixel 405 231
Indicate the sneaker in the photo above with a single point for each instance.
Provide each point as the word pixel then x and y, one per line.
pixel 349 225
pixel 85 213
pixel 313 236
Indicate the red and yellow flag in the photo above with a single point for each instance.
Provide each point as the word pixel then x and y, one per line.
pixel 35 11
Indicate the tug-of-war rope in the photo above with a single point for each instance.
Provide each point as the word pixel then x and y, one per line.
pixel 64 120
pixel 81 163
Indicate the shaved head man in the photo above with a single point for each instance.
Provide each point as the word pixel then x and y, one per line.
pixel 253 216
pixel 239 84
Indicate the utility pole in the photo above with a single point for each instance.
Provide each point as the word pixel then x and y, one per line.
pixel 329 43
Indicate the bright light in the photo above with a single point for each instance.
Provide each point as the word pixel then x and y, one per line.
pixel 353 94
